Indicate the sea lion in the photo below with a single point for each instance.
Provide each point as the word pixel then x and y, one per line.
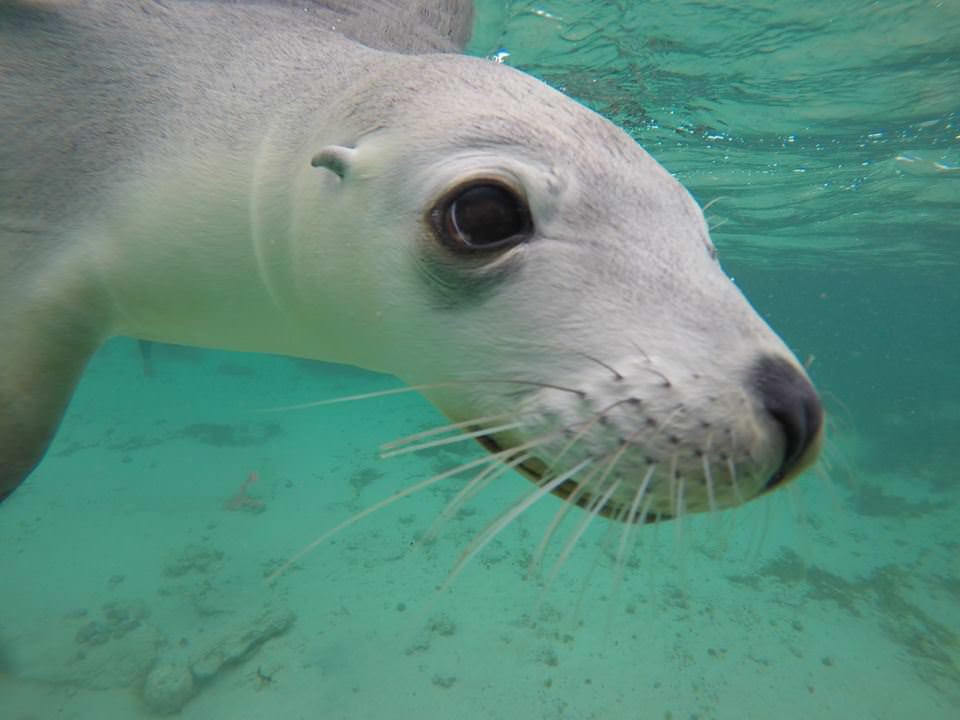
pixel 328 180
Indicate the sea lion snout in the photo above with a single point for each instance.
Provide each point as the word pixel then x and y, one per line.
pixel 789 398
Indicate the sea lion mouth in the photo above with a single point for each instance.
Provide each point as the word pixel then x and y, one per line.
pixel 535 470
pixel 532 469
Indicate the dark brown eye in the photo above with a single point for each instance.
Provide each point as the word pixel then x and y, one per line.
pixel 481 217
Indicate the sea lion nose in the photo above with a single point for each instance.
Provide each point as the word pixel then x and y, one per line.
pixel 789 398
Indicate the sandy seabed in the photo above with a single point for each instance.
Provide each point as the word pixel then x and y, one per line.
pixel 142 544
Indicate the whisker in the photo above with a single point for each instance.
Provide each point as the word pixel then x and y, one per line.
pixel 708 478
pixel 839 468
pixel 538 555
pixel 398 495
pixel 565 507
pixel 443 429
pixel 762 540
pixel 581 528
pixel 547 386
pixel 644 510
pixel 617 375
pixel 641 492
pixel 586 582
pixel 352 520
pixel 722 532
pixel 646 355
pixel 460 437
pixel 497 526
pixel 710 204
pixel 570 502
pixel 619 566
pixel 478 483
pixel 630 530
pixel 418 388
pixel 581 487
pixel 520 381
pixel 824 472
pixel 672 484
pixel 681 498
pixel 708 474
pixel 655 547
pixel 678 503
pixel 592 512
pixel 732 468
pixel 363 396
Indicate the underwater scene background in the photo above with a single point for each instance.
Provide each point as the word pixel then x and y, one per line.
pixel 825 138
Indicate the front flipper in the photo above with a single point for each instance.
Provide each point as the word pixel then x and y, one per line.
pixel 48 330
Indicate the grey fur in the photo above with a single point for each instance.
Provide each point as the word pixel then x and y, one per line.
pixel 249 175
pixel 89 88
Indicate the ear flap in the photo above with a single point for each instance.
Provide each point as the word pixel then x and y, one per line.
pixel 338 159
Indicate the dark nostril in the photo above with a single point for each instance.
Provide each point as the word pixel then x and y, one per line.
pixel 790 399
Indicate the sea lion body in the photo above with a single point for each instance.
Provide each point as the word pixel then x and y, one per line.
pixel 252 177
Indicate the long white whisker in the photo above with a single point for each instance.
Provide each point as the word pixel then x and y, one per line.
pixel 570 502
pixel 398 495
pixel 392 449
pixel 460 437
pixel 558 516
pixel 593 510
pixel 498 525
pixel 393 444
pixel 478 483
pixel 364 396
pixel 677 503
pixel 561 513
pixel 352 520
pixel 681 497
pixel 641 492
pixel 718 519
pixel 581 529
pixel 419 388
pixel 481 481
pixel 761 540
pixel 630 531
pixel 629 526
pixel 732 469
pixel 708 478
pixel 586 581
pixel 710 204
pixel 644 509
pixel 532 443
pixel 619 567
pixel 538 555
pixel 654 548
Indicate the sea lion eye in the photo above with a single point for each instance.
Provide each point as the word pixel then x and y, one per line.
pixel 481 217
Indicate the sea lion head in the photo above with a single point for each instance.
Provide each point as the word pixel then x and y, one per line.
pixel 555 290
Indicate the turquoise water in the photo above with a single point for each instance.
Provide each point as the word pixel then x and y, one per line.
pixel 826 138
